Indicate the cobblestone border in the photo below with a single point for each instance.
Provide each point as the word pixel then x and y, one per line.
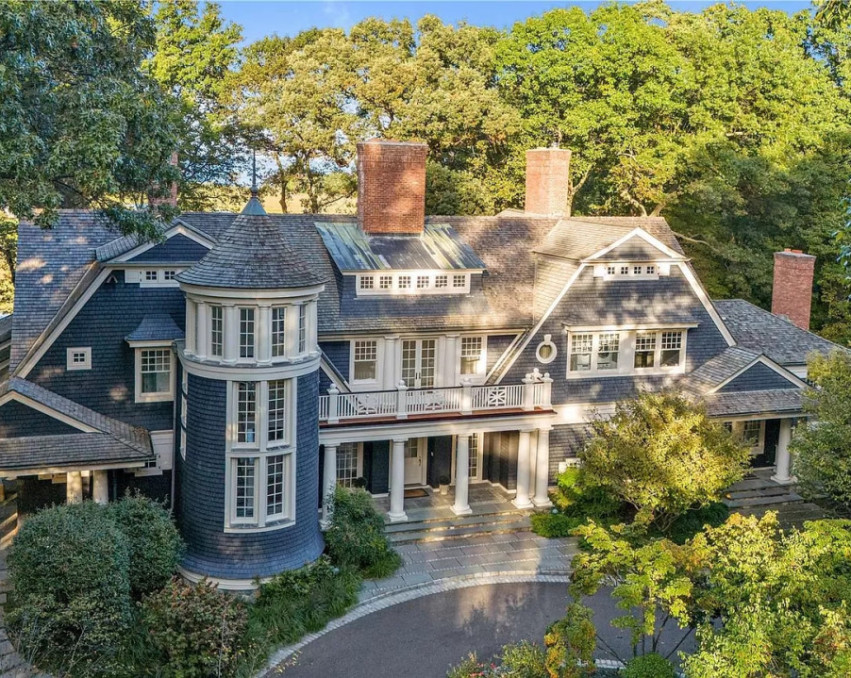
pixel 382 601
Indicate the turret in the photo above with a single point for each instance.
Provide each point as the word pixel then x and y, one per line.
pixel 248 468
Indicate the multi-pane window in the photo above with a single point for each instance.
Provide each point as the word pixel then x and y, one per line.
pixel 751 432
pixel 169 274
pixel 672 346
pixel 422 282
pixel 385 282
pixel 246 468
pixel 274 486
pixel 404 282
pixel 367 282
pixel 581 350
pixel 150 276
pixel 473 465
pixel 624 270
pixel 650 270
pixel 459 280
pixel 607 351
pixel 365 359
pixel 441 281
pixel 610 270
pixel 645 349
pixel 246 412
pixel 636 270
pixel 302 328
pixel 216 331
pixel 471 354
pixel 277 411
pixel 155 370
pixel 246 333
pixel 347 464
pixel 279 335
pixel 79 358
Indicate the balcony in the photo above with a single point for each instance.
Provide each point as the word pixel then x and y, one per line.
pixel 403 403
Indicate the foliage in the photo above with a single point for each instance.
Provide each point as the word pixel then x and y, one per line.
pixel 693 521
pixel 471 667
pixel 573 502
pixel 554 525
pixel 68 566
pixel 523 660
pixel 83 125
pixel 154 544
pixel 570 644
pixel 355 538
pixel 8 261
pixel 197 630
pixel 302 601
pixel 662 455
pixel 822 446
pixel 650 665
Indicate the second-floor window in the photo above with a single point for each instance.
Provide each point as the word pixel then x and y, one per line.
pixel 246 333
pixel 277 430
pixel 302 328
pixel 246 412
pixel 472 349
pixel 645 349
pixel 154 374
pixel 279 336
pixel 216 331
pixel 625 352
pixel 365 360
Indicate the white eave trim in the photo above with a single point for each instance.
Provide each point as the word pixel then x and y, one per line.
pixel 644 235
pixel 794 380
pixel 628 326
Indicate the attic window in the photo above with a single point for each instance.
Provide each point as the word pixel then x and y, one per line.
pixel 426 282
pixel 631 271
pixel 367 282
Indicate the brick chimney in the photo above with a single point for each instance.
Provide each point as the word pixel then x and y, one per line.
pixel 391 186
pixel 171 197
pixel 793 286
pixel 547 177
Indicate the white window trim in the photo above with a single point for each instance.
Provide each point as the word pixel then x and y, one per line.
pixel 481 365
pixel 138 275
pixel 164 396
pixel 379 361
pixel 626 354
pixel 413 290
pixel 358 461
pixel 71 366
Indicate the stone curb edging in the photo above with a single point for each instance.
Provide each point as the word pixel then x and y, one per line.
pixel 387 599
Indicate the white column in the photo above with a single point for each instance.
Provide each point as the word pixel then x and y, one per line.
pixel 231 334
pixel 397 481
pixel 781 474
pixel 462 475
pixel 542 470
pixel 521 500
pixel 202 333
pixel 264 334
pixel 329 482
pixel 533 464
pixel 100 487
pixel 190 326
pixel 74 487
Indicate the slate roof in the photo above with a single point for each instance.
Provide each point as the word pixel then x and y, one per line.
pixel 718 369
pixel 742 403
pixel 252 254
pixel 156 327
pixel 5 328
pixel 776 337
pixel 438 247
pixel 580 237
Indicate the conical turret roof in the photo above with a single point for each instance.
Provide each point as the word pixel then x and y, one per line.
pixel 251 254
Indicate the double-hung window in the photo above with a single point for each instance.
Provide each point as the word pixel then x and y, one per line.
pixel 608 350
pixel 246 412
pixel 672 348
pixel 154 374
pixel 279 334
pixel 277 429
pixel 347 464
pixel 216 331
pixel 365 360
pixel 246 333
pixel 302 328
pixel 645 350
pixel 624 352
pixel 472 349
pixel 581 352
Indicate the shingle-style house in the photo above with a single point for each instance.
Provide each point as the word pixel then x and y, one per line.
pixel 245 364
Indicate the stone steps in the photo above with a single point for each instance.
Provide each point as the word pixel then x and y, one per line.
pixel 764 500
pixel 773 491
pixel 457 528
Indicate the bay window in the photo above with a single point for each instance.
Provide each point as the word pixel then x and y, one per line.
pixel 246 333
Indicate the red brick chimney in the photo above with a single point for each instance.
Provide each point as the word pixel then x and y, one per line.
pixel 547 177
pixel 391 186
pixel 171 197
pixel 793 286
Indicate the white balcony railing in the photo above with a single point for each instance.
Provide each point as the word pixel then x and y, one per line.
pixel 534 393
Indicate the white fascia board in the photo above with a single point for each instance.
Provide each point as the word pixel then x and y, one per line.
pixel 55 470
pixel 342 386
pixel 177 229
pixel 794 380
pixel 49 411
pixel 644 235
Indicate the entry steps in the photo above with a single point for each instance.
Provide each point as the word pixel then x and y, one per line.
pixel 755 491
pixel 457 527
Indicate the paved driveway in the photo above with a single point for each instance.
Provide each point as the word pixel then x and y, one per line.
pixel 422 638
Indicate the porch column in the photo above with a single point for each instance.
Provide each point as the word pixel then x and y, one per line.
pixel 521 500
pixel 781 474
pixel 397 481
pixel 329 482
pixel 462 475
pixel 74 487
pixel 542 470
pixel 100 487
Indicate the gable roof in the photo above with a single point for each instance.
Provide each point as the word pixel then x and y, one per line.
pixel 719 369
pixel 776 337
pixel 744 403
pixel 5 328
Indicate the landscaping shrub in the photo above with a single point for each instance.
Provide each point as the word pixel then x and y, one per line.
pixel 693 521
pixel 71 605
pixel 471 667
pixel 649 665
pixel 523 660
pixel 573 503
pixel 154 542
pixel 197 630
pixel 554 525
pixel 302 601
pixel 355 538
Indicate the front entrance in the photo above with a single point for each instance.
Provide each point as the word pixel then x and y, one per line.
pixel 418 360
pixel 415 455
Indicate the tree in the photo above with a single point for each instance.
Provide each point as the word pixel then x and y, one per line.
pixel 822 445
pixel 662 455
pixel 82 124
pixel 8 261
pixel 194 55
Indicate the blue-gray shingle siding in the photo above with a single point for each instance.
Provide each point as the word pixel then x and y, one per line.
pixel 18 420
pixel 178 248
pixel 758 377
pixel 337 353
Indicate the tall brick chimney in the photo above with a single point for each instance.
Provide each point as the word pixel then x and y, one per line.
pixel 547 177
pixel 391 186
pixel 171 197
pixel 793 286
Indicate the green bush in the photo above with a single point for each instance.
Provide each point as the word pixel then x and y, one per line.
pixel 355 538
pixel 471 667
pixel 573 503
pixel 693 521
pixel 69 567
pixel 302 601
pixel 523 660
pixel 154 542
pixel 649 665
pixel 554 525
pixel 196 630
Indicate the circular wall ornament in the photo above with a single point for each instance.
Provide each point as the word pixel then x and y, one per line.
pixel 547 350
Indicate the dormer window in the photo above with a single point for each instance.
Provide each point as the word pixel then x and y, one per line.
pixel 404 282
pixel 441 281
pixel 367 282
pixel 422 282
pixel 624 270
pixel 631 271
pixel 151 276
pixel 385 282
pixel 459 281
pixel 154 374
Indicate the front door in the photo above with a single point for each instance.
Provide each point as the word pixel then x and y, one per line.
pixel 415 460
pixel 418 360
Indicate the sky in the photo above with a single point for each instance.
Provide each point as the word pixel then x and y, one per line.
pixel 286 17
